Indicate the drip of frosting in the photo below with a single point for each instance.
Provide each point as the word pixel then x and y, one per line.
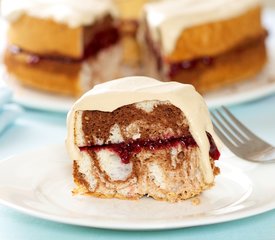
pixel 73 13
pixel 167 19
pixel 114 94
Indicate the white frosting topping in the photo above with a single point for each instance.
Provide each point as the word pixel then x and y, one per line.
pixel 167 19
pixel 111 95
pixel 74 13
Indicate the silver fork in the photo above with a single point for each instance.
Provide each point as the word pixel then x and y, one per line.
pixel 239 139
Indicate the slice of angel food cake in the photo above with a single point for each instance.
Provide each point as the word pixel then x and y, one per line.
pixel 61 46
pixel 137 136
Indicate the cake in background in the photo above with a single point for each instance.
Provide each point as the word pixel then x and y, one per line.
pixel 209 44
pixel 129 14
pixel 67 46
pixel 62 46
pixel 137 136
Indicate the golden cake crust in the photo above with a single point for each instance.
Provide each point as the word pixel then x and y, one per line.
pixel 47 75
pixel 236 65
pixel 227 69
pixel 218 37
pixel 130 10
pixel 61 77
pixel 46 37
pixel 53 57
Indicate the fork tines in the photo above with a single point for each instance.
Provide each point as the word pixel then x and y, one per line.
pixel 226 124
pixel 238 138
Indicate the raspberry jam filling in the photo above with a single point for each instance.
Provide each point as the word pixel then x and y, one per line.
pixel 175 68
pixel 213 151
pixel 207 61
pixel 102 39
pixel 126 150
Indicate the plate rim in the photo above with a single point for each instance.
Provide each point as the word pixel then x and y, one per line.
pixel 124 224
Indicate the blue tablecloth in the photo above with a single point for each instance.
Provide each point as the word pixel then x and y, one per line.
pixel 35 129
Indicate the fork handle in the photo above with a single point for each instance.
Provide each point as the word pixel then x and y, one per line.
pixel 267 156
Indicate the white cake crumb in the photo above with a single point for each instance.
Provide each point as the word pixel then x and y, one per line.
pixel 157 175
pixel 111 163
pixel 148 106
pixel 85 167
pixel 115 134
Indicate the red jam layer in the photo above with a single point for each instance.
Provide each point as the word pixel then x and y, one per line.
pixel 213 151
pixel 175 68
pixel 127 150
pixel 186 65
pixel 101 40
pixel 207 61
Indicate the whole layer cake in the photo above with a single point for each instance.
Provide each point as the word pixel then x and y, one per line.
pixel 209 44
pixel 62 46
pixel 137 136
pixel 67 46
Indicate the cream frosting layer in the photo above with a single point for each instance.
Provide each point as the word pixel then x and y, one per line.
pixel 114 94
pixel 73 13
pixel 167 19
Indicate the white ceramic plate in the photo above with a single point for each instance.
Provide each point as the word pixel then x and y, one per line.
pixel 40 183
pixel 31 98
pixel 258 87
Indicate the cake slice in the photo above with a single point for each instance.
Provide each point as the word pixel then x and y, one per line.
pixel 62 46
pixel 209 44
pixel 137 136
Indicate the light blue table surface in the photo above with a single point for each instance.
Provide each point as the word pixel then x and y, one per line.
pixel 36 129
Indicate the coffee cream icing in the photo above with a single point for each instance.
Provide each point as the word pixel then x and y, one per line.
pixel 73 13
pixel 114 94
pixel 167 19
